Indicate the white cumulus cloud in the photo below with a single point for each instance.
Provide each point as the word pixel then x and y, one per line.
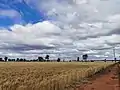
pixel 75 27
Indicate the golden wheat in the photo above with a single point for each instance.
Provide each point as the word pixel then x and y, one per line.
pixel 45 75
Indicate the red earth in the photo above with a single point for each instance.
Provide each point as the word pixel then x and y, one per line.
pixel 109 80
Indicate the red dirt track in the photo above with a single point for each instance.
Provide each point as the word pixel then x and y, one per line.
pixel 107 81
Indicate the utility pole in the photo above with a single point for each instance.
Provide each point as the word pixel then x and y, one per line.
pixel 114 53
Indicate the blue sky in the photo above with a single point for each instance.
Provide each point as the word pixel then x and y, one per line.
pixel 61 28
pixel 26 14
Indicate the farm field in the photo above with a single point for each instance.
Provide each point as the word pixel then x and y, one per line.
pixel 46 75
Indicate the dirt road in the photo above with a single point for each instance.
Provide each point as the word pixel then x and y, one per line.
pixel 109 80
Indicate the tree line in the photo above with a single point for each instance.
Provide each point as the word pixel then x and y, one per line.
pixel 47 59
pixel 40 59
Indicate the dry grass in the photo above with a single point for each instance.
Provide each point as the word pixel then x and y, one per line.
pixel 45 76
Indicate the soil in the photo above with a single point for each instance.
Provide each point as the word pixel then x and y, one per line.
pixel 109 80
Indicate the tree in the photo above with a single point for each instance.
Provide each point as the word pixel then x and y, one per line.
pixel 78 59
pixel 6 58
pixel 24 60
pixel 58 60
pixel 17 59
pixel 40 59
pixel 92 60
pixel 69 60
pixel 1 59
pixel 21 60
pixel 85 56
pixel 47 57
pixel 115 59
pixel 105 60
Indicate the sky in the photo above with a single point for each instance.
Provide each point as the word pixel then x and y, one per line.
pixel 61 28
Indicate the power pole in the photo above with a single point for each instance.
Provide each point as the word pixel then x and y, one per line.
pixel 114 53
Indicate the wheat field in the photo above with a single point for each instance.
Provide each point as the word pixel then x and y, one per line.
pixel 45 75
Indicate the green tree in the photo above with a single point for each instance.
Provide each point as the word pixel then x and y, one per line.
pixel 40 59
pixel 6 58
pixel 85 57
pixel 47 57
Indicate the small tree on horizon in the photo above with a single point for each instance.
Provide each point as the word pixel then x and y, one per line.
pixel 40 59
pixel 105 60
pixel 6 58
pixel 85 57
pixel 58 60
pixel 78 59
pixel 47 57
pixel 115 59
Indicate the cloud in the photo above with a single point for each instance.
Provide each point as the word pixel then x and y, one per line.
pixel 43 38
pixel 73 28
pixel 42 35
pixel 29 34
pixel 9 13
